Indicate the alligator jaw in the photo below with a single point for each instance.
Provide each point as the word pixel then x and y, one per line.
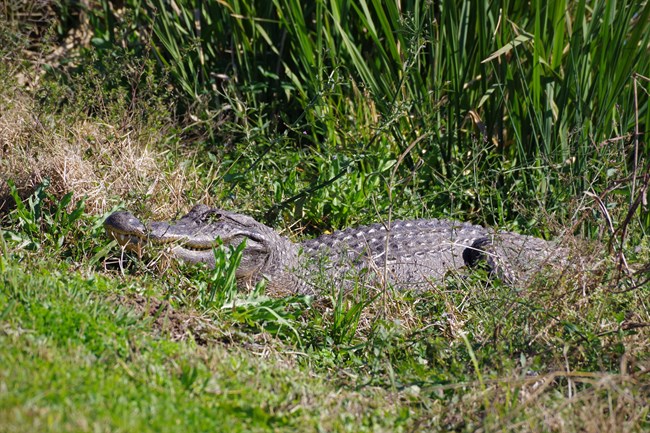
pixel 197 245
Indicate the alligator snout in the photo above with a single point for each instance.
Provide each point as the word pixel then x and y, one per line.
pixel 126 229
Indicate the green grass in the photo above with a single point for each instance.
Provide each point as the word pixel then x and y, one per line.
pixel 484 104
pixel 314 117
pixel 84 351
pixel 75 361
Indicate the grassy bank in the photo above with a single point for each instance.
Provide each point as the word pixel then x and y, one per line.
pixel 529 117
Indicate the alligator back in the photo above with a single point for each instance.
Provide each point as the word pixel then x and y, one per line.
pixel 420 253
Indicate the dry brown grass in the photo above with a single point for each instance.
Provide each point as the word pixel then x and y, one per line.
pixel 104 163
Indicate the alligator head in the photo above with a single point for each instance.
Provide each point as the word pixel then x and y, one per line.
pixel 193 237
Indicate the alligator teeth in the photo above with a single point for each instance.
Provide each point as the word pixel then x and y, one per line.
pixel 128 241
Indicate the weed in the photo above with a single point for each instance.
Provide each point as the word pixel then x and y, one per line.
pixel 44 221
pixel 346 316
pixel 222 282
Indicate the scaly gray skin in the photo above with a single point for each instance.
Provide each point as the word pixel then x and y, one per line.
pixel 412 254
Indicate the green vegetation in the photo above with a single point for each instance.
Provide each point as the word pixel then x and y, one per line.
pixel 527 116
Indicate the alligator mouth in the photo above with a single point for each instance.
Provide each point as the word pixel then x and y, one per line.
pixel 182 244
pixel 181 249
pixel 126 238
pixel 133 241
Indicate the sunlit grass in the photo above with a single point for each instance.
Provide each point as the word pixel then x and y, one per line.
pixel 314 117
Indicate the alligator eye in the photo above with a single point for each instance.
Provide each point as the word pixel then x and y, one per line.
pixel 214 216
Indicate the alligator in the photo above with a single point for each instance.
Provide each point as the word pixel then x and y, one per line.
pixel 416 254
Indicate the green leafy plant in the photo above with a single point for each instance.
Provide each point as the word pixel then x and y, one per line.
pixel 218 286
pixel 486 103
pixel 43 220
pixel 218 291
pixel 276 316
pixel 346 315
